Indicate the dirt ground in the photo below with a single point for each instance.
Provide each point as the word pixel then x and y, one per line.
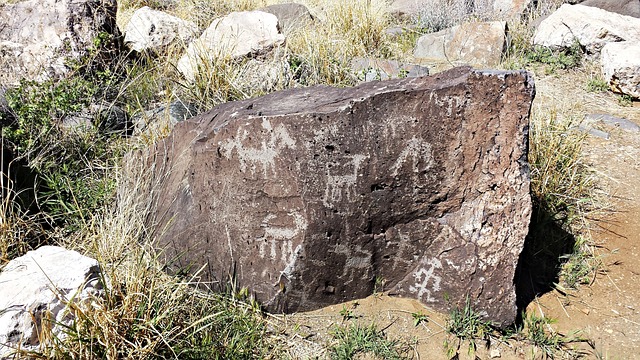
pixel 606 312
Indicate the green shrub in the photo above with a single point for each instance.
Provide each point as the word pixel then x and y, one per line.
pixel 567 58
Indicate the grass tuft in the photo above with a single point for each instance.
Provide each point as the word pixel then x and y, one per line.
pixel 357 339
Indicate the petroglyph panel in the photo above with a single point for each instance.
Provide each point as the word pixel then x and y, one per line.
pixel 306 196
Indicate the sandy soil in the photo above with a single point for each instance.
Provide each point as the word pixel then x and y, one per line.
pixel 606 312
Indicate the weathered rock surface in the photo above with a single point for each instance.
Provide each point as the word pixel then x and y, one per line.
pixel 236 35
pixel 42 281
pixel 614 121
pixel 368 69
pixel 622 7
pixel 308 195
pixel 474 43
pixel 38 36
pixel 590 26
pixel 290 16
pixel 150 29
pixel 621 67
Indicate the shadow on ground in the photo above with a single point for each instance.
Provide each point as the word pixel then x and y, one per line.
pixel 541 259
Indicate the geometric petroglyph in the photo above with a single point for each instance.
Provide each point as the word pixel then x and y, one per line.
pixel 426 281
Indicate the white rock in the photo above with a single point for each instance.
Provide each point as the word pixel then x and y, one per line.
pixel 621 67
pixel 235 35
pixel 150 29
pixel 590 26
pixel 480 43
pixel 41 281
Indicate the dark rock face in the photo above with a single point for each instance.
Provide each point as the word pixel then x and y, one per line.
pixel 624 7
pixel 309 195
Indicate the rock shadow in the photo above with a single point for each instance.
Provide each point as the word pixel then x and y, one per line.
pixel 540 262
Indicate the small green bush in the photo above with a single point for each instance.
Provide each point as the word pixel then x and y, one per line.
pixel 567 58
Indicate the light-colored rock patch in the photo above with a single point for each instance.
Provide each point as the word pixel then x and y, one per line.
pixel 621 67
pixel 37 286
pixel 150 29
pixel 38 37
pixel 590 26
pixel 236 35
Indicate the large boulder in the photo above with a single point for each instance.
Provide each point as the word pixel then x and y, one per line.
pixel 236 35
pixel 39 37
pixel 590 26
pixel 154 30
pixel 621 67
pixel 307 196
pixel 480 43
pixel 622 7
pixel 41 285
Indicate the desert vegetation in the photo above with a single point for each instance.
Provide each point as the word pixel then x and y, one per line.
pixel 67 193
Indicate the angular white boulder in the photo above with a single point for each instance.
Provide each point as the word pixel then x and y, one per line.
pixel 621 67
pixel 150 29
pixel 480 43
pixel 233 36
pixel 40 285
pixel 590 26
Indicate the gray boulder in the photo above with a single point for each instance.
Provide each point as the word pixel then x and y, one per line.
pixel 308 195
pixel 38 37
pixel 480 43
pixel 291 16
pixel 154 30
pixel 42 281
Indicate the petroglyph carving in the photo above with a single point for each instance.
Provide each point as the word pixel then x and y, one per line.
pixel 281 238
pixel 278 138
pixel 418 152
pixel 427 281
pixel 339 185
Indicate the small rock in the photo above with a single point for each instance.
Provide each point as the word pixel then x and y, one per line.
pixel 494 353
pixel 585 311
